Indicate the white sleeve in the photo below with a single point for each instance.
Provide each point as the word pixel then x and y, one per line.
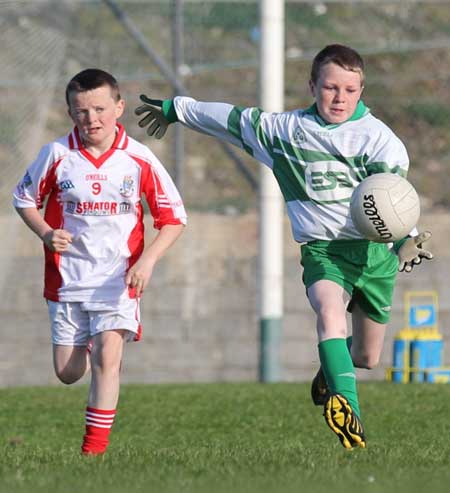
pixel 250 129
pixel 34 186
pixel 389 154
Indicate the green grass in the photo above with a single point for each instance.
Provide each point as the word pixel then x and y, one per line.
pixel 225 438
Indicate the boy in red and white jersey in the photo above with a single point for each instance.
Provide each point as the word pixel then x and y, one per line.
pixel 96 265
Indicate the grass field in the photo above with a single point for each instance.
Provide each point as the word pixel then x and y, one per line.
pixel 225 438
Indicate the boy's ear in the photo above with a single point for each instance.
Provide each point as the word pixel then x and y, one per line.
pixel 120 107
pixel 311 86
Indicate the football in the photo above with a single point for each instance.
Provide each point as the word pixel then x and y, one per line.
pixel 384 207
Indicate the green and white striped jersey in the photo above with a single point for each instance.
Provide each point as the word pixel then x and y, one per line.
pixel 317 165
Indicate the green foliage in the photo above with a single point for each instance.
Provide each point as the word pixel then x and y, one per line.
pixel 433 113
pixel 306 17
pixel 225 437
pixel 237 17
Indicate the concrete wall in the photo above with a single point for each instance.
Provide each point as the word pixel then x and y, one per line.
pixel 200 312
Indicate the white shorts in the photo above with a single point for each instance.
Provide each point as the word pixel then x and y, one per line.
pixel 74 323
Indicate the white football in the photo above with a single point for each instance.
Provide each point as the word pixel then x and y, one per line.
pixel 384 207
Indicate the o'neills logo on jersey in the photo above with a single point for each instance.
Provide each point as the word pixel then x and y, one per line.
pixel 96 177
pixel 92 208
pixel 371 211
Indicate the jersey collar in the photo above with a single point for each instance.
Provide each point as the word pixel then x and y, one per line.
pixel 120 142
pixel 360 111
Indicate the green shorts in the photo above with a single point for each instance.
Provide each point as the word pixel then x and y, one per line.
pixel 366 270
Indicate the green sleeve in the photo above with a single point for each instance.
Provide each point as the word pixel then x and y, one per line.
pixel 168 109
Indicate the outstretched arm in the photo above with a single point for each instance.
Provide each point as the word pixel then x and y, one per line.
pixel 208 118
pixel 247 128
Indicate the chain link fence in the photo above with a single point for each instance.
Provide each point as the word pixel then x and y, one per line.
pixel 406 45
pixel 200 320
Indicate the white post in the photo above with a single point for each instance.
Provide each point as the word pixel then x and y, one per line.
pixel 271 202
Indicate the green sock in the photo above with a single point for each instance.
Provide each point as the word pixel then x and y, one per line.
pixel 339 371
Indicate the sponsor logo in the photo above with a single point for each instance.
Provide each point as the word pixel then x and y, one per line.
pixel 386 308
pixel 329 180
pixel 127 187
pixel 323 134
pixel 371 211
pixel 124 207
pixel 66 184
pixel 70 207
pixel 92 208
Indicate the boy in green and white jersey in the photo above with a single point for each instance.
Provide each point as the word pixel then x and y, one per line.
pixel 318 156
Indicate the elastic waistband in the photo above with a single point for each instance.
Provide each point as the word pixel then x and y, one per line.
pixel 342 243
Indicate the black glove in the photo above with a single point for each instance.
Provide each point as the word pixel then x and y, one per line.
pixel 155 119
pixel 411 252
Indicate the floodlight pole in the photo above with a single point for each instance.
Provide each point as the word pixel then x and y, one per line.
pixel 270 200
pixel 178 60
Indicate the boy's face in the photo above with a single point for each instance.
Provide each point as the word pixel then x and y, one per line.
pixel 337 92
pixel 95 114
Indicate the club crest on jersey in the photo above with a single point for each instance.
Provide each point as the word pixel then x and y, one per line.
pixel 299 136
pixel 127 187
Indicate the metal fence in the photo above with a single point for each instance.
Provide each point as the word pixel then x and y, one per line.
pixel 214 44
pixel 201 324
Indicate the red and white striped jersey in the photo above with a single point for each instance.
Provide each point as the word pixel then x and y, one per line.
pixel 97 200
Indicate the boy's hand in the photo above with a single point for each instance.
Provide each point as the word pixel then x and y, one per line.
pixel 155 119
pixel 411 252
pixel 57 240
pixel 139 276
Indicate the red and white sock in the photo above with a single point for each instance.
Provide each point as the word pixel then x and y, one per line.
pixel 98 427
